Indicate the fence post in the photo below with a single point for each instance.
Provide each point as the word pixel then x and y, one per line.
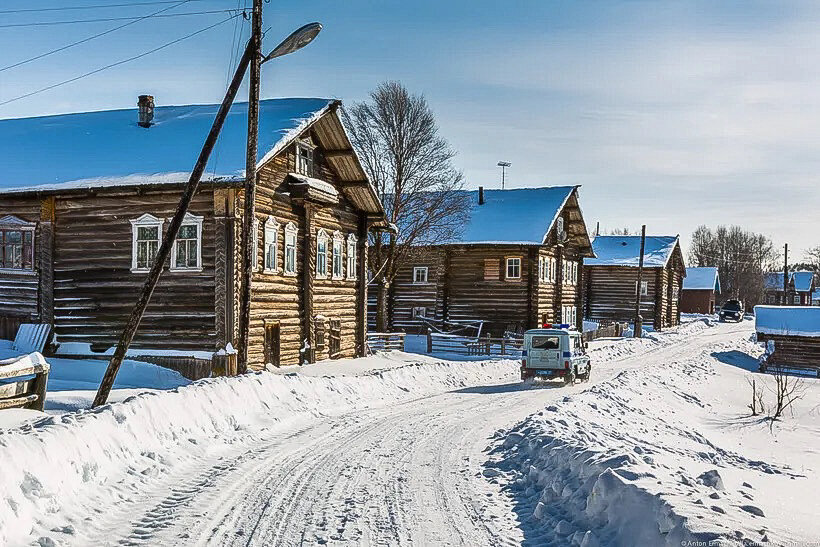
pixel 503 346
pixel 429 340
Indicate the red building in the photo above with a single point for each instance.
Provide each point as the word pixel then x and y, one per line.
pixel 699 289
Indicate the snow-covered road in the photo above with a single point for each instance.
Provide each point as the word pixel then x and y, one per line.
pixel 407 473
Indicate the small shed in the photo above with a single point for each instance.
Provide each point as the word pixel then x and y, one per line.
pixel 699 289
pixel 792 336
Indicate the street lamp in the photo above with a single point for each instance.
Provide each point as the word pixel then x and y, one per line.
pixel 298 39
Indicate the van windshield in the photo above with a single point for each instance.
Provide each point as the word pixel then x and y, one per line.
pixel 546 342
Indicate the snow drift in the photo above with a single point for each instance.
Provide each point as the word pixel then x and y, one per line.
pixel 627 463
pixel 59 469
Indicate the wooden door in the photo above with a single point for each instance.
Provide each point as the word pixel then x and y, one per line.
pixel 272 344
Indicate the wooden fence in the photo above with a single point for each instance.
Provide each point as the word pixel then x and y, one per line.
pixel 23 383
pixel 9 324
pixel 385 341
pixel 484 346
pixel 612 330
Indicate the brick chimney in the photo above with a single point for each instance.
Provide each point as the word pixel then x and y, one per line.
pixel 146 110
pixel 481 195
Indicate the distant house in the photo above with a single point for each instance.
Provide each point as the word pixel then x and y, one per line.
pixel 792 336
pixel 85 199
pixel 699 289
pixel 799 289
pixel 815 297
pixel 517 264
pixel 612 280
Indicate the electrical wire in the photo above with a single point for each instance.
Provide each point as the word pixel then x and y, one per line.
pixel 98 6
pixel 118 63
pixel 108 19
pixel 176 3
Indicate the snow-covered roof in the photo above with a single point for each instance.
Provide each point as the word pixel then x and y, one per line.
pixel 788 320
pixel 521 215
pixel 626 250
pixel 317 184
pixel 802 280
pixel 702 279
pixel 108 148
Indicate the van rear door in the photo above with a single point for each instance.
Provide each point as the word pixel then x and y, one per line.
pixel 545 351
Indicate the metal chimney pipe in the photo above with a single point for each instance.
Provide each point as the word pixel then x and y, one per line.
pixel 481 195
pixel 146 110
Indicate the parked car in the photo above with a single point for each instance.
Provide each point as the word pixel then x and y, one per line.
pixel 554 352
pixel 731 310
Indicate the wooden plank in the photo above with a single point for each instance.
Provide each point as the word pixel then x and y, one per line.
pixel 18 402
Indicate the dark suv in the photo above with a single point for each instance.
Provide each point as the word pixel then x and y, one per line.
pixel 732 310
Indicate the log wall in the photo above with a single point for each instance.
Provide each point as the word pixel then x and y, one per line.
pixel 95 290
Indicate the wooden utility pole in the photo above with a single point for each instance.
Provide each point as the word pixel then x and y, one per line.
pixel 249 216
pixel 786 275
pixel 638 330
pixel 173 228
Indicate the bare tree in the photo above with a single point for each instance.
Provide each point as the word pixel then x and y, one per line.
pixel 756 406
pixel 740 256
pixel 620 232
pixel 813 259
pixel 397 138
pixel 787 390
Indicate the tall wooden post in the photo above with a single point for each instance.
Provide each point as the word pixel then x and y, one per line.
pixel 361 274
pixel 173 229
pixel 786 275
pixel 559 285
pixel 249 216
pixel 638 329
pixel 308 276
pixel 45 261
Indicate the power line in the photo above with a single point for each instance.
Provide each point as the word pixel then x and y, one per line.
pixel 176 3
pixel 122 62
pixel 108 19
pixel 98 6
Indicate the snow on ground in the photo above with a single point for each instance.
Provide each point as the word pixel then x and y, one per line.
pixel 72 383
pixel 660 455
pixel 118 449
pixel 393 449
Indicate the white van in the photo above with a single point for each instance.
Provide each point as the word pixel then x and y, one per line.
pixel 554 352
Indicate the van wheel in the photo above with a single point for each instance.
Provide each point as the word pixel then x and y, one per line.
pixel 569 379
pixel 588 372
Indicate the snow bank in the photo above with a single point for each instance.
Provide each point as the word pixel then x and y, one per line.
pixel 630 462
pixel 104 451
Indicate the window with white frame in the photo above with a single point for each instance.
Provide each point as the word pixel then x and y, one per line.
pixel 569 315
pixel 352 256
pixel 338 258
pixel 542 269
pixel 560 225
pixel 419 311
pixel 675 293
pixel 553 270
pixel 321 254
pixel 514 267
pixel 419 274
pixel 290 248
pixel 797 299
pixel 145 235
pixel 186 253
pixel 644 288
pixel 255 240
pixel 16 244
pixel 271 245
pixel 304 158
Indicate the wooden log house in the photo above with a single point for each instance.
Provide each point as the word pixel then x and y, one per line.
pixel 799 289
pixel 85 198
pixel 700 286
pixel 612 280
pixel 516 265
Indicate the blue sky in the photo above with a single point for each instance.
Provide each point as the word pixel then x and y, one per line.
pixel 672 114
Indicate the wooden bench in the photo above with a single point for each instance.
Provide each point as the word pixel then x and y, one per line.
pixel 17 387
pixel 31 337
